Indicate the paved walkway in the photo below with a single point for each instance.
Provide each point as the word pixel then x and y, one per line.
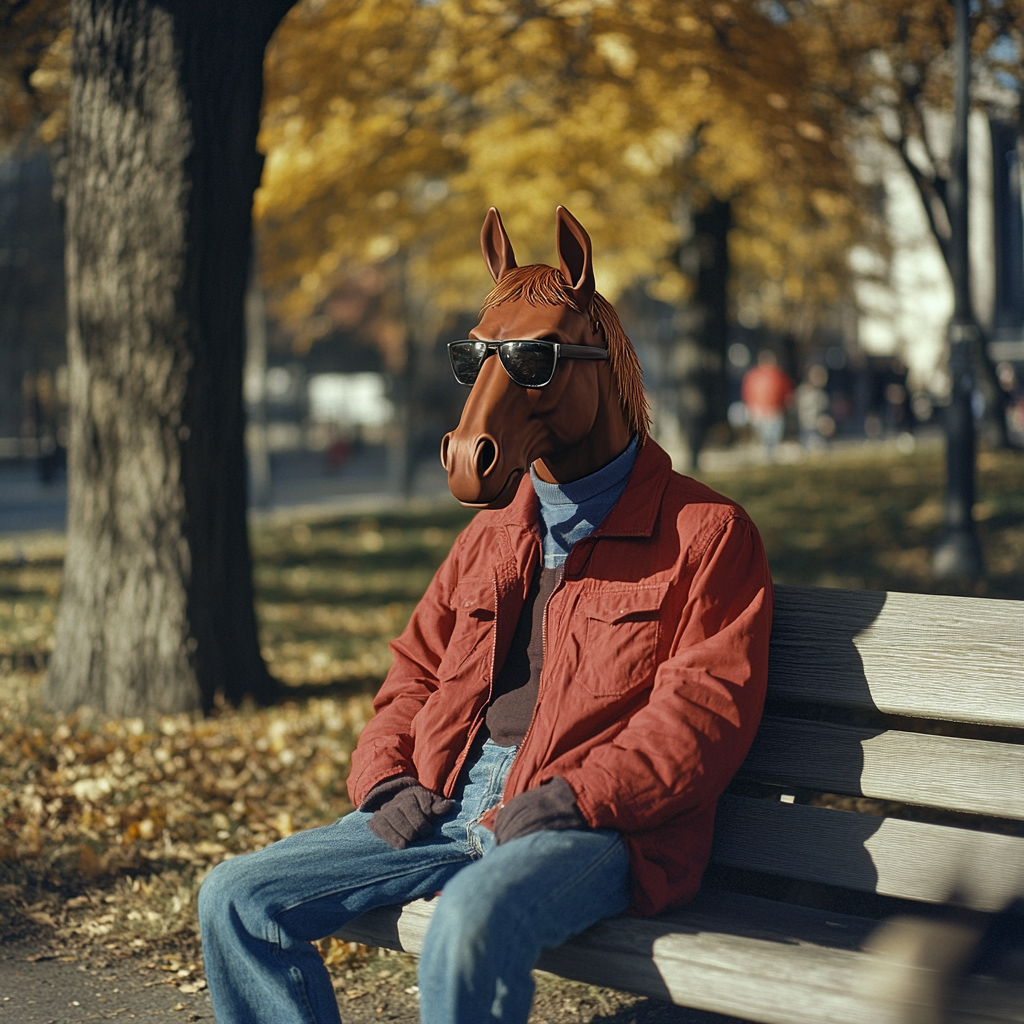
pixel 39 986
pixel 303 484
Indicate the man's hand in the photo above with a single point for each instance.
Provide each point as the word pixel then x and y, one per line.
pixel 551 806
pixel 403 811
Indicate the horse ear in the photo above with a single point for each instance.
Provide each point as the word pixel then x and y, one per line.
pixel 496 247
pixel 575 256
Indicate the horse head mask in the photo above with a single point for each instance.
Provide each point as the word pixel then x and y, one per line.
pixel 565 391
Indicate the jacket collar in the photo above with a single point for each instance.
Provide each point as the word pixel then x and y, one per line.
pixel 633 515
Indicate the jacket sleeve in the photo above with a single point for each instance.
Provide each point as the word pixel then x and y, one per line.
pixel 385 745
pixel 681 749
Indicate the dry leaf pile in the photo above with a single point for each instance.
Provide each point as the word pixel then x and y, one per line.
pixel 108 827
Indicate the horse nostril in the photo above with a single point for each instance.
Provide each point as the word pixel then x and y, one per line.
pixel 486 456
pixel 445 441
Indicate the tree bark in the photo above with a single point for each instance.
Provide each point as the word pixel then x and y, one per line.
pixel 156 613
pixel 700 365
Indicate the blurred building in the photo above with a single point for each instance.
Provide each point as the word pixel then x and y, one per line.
pixel 349 407
pixel 363 382
pixel 906 301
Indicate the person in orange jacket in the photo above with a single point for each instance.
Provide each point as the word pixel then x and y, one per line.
pixel 766 392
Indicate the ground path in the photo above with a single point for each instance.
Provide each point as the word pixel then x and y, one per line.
pixel 41 983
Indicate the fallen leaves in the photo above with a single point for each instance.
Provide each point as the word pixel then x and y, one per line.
pixel 150 807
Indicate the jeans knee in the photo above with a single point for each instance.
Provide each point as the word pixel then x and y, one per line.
pixel 221 893
pixel 475 964
pixel 469 921
pixel 211 894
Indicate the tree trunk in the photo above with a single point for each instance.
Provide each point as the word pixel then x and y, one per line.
pixel 254 388
pixel 156 613
pixel 699 361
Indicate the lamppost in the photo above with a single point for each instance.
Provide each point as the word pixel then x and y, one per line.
pixel 959 553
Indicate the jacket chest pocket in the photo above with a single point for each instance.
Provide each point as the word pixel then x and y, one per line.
pixel 620 642
pixel 473 604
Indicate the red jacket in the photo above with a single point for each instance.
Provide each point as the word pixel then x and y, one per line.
pixel 656 657
pixel 766 390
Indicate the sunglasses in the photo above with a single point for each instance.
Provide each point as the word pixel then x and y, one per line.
pixel 530 364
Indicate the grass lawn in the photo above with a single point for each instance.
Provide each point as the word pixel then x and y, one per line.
pixel 106 828
pixel 331 594
pixel 870 520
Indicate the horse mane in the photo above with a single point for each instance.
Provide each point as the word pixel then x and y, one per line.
pixel 541 285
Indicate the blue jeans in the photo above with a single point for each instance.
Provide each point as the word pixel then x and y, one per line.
pixel 500 906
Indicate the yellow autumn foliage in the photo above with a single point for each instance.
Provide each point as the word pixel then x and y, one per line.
pixel 35 68
pixel 390 126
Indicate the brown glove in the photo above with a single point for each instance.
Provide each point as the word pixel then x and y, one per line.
pixel 384 791
pixel 550 806
pixel 403 811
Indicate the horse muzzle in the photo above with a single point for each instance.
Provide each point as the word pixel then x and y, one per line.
pixel 478 476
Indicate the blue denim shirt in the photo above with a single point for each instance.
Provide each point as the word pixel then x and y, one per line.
pixel 569 512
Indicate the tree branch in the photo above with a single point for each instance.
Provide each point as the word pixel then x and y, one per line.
pixel 926 190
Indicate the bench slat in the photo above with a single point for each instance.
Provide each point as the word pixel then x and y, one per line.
pixel 737 955
pixel 952 658
pixel 890 856
pixel 950 772
pixel 727 954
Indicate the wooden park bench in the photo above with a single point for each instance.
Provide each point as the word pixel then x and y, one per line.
pixel 860 683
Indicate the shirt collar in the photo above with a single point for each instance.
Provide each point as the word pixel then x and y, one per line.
pixel 577 492
pixel 633 515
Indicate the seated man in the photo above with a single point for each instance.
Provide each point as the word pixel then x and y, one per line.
pixel 572 694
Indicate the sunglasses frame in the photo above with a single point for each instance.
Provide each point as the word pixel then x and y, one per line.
pixel 561 350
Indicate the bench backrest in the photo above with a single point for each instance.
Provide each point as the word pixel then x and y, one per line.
pixel 944 816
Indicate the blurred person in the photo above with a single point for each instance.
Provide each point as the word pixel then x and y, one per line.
pixel 896 415
pixel 896 405
pixel 45 413
pixel 812 403
pixel 338 452
pixel 766 391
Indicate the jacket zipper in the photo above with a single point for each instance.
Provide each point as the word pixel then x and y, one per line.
pixel 453 778
pixel 540 683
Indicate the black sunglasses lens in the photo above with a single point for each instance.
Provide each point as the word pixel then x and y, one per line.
pixel 466 358
pixel 529 363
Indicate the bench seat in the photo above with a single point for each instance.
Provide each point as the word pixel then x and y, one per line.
pixel 726 953
pixel 881 801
